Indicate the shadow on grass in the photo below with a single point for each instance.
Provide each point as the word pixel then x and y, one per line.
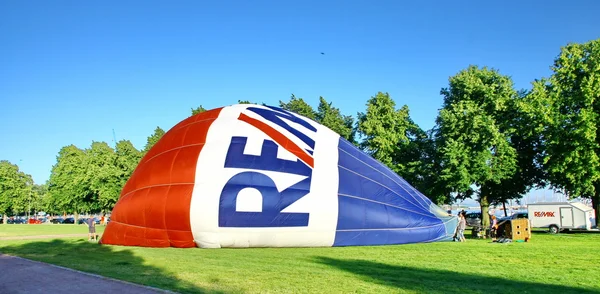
pixel 102 260
pixel 441 281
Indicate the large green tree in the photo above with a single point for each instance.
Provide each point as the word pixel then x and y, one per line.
pixel 383 128
pixel 128 157
pixel 392 137
pixel 152 139
pixel 299 106
pixel 572 136
pixel 473 134
pixel 526 137
pixel 102 176
pixel 69 185
pixel 15 189
pixel 127 160
pixel 418 163
pixel 37 198
pixel 332 118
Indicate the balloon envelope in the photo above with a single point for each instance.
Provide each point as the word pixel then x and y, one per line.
pixel 258 176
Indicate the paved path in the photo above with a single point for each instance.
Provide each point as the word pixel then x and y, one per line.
pixel 21 275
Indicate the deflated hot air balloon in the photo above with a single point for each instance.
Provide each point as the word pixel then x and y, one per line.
pixel 258 176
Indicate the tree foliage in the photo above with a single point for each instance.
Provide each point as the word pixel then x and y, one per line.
pixel 68 185
pixel 38 194
pixel 299 106
pixel 90 180
pixel 473 133
pixel 526 139
pixel 392 137
pixel 102 175
pixel 197 110
pixel 383 128
pixel 152 139
pixel 332 118
pixel 572 136
pixel 127 159
pixel 15 189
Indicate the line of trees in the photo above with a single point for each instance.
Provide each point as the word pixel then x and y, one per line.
pixel 490 141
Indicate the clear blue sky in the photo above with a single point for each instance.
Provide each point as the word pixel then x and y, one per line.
pixel 72 71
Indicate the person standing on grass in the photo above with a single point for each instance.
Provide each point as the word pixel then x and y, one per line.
pixel 455 236
pixel 493 227
pixel 462 225
pixel 92 229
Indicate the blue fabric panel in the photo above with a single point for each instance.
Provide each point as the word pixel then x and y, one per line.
pixel 362 214
pixel 376 206
pixel 388 237
pixel 360 186
pixel 350 158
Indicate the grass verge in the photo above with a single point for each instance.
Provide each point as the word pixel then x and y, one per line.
pixel 12 230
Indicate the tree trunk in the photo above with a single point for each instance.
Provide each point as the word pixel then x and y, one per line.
pixel 504 206
pixel 485 206
pixel 4 219
pixel 75 218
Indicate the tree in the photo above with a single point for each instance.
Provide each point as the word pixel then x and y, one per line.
pixel 152 139
pixel 392 137
pixel 523 117
pixel 68 185
pixel 102 176
pixel 383 129
pixel 197 110
pixel 299 106
pixel 332 118
pixel 39 193
pixel 572 135
pixel 418 163
pixel 22 200
pixel 127 159
pixel 473 134
pixel 15 188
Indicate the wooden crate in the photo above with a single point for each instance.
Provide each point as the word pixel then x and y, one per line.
pixel 519 229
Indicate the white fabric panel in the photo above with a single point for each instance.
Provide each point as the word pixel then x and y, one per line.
pixel 211 176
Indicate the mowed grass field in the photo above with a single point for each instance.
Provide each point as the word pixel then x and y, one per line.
pixel 12 230
pixel 563 263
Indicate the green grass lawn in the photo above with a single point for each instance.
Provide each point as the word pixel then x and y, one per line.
pixel 12 230
pixel 564 263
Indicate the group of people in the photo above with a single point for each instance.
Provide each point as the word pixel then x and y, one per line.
pixel 459 234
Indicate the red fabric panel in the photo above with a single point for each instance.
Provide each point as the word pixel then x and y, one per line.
pixel 154 207
pixel 280 138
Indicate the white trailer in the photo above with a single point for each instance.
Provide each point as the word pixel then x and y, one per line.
pixel 557 216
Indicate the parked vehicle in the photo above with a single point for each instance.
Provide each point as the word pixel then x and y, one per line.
pixel 57 220
pixel 16 220
pixel 557 216
pixel 473 219
pixel 516 215
pixel 34 221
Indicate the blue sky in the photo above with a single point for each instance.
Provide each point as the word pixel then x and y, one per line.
pixel 72 71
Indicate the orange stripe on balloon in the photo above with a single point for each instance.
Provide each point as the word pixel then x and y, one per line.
pixel 280 138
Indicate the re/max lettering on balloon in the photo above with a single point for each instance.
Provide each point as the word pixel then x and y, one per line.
pixel 273 201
